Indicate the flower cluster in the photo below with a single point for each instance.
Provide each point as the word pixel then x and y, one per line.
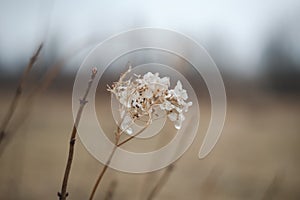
pixel 143 96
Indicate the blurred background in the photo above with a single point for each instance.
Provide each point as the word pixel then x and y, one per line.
pixel 256 46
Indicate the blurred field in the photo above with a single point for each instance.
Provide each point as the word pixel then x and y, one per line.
pixel 254 44
pixel 257 156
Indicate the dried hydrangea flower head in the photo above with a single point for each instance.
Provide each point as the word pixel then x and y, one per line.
pixel 142 97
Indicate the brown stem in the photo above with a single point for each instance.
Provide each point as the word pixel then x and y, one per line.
pixel 63 194
pixel 19 90
pixel 110 193
pixel 46 81
pixel 103 171
pixel 161 182
pixel 274 187
pixel 117 144
pixel 133 136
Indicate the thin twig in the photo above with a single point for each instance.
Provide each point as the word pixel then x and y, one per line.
pixel 161 182
pixel 102 172
pixel 55 69
pixel 117 144
pixel 63 194
pixel 110 193
pixel 208 187
pixel 274 187
pixel 19 90
pixel 133 136
pixel 46 81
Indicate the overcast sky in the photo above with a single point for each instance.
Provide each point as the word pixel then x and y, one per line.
pixel 242 26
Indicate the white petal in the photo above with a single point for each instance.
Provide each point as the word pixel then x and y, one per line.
pixel 122 113
pixel 181 117
pixel 156 110
pixel 178 86
pixel 184 95
pixel 125 126
pixel 169 106
pixel 178 124
pixel 172 116
pixel 186 106
pixel 148 94
pixel 165 81
pixel 129 131
pixel 179 110
pixel 162 106
pixel 147 76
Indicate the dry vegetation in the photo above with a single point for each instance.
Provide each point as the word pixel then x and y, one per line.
pixel 257 156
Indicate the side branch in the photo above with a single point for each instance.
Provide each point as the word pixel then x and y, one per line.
pixel 64 194
pixel 19 90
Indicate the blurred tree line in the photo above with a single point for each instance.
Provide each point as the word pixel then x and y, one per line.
pixel 281 59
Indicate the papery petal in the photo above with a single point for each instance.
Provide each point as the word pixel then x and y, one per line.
pixel 165 81
pixel 184 95
pixel 178 86
pixel 135 95
pixel 172 116
pixel 148 94
pixel 129 131
pixel 122 113
pixel 179 110
pixel 125 126
pixel 166 106
pixel 181 117
pixel 147 76
pixel 178 124
pixel 169 106
pixel 186 106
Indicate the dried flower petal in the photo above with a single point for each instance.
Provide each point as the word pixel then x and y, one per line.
pixel 144 95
